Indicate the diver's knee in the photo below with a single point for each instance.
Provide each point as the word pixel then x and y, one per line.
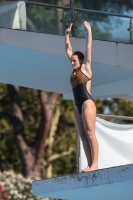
pixel 90 134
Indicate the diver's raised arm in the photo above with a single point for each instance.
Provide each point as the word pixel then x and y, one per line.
pixel 88 50
pixel 68 45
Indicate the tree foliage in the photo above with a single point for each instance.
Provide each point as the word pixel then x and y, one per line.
pixel 120 107
pixel 63 136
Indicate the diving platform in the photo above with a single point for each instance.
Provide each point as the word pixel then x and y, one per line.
pixel 110 183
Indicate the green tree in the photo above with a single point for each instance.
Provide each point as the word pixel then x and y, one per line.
pixel 31 152
pixel 120 107
pixel 61 148
pixel 27 118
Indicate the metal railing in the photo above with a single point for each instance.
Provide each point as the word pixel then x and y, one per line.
pixel 73 9
pixel 71 14
pixel 115 116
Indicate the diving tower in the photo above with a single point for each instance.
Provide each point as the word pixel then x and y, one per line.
pixel 37 60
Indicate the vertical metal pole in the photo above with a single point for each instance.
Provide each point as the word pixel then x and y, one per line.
pixel 77 151
pixel 72 17
pixel 131 30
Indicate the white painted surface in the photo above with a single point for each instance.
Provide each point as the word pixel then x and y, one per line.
pixel 113 183
pixel 115 145
pixel 37 60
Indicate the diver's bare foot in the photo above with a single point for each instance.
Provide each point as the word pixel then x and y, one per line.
pixel 92 168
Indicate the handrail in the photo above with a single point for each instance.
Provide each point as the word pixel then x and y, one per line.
pixel 47 5
pixel 73 9
pixel 115 116
pixel 72 17
pixel 103 13
pixel 78 9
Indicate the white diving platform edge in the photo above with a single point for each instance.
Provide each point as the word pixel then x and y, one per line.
pixel 104 184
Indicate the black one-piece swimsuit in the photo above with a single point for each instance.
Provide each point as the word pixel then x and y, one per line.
pixel 78 82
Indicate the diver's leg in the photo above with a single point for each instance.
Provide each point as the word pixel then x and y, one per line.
pixel 89 121
pixel 81 131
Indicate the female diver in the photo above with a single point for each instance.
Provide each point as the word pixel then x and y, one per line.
pixel 85 109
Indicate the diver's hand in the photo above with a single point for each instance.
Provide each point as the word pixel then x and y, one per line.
pixel 87 25
pixel 68 30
